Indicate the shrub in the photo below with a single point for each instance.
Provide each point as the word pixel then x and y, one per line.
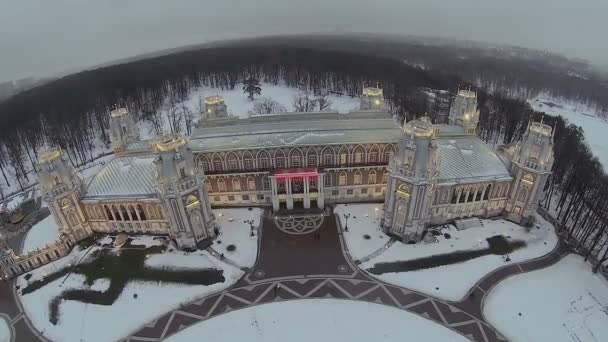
pixel 367 237
pixel 28 276
pixel 231 248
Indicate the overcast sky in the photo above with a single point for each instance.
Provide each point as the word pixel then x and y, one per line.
pixel 47 37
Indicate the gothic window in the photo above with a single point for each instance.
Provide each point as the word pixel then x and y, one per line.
pixel 133 213
pixel 123 212
pixel 142 215
pixel 160 212
pixel 327 156
pixel 248 164
pixel 312 160
pixel 342 179
pixel 371 177
pixel 385 177
pixel 182 172
pixel 217 163
pixel 250 183
pixel 266 182
pixel 263 160
pixel 295 161
pixel 359 155
pixel 343 158
pixel 221 185
pixel 506 190
pixel 150 211
pixel 357 178
pixel 523 193
pixel 401 213
pixel 236 184
pixel 203 163
pixel 108 213
pixel 388 153
pixel 232 162
pixel 279 159
pixel 327 180
pixel 485 195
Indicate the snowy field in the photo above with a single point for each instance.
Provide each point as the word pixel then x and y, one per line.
pixel 562 303
pixel 452 282
pixel 594 127
pixel 234 231
pixel 318 320
pixel 40 235
pixel 364 220
pixel 5 331
pixel 81 322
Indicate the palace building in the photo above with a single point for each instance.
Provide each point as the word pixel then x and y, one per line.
pixel 425 174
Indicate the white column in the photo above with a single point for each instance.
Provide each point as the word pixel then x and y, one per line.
pixel 289 195
pixel 306 193
pixel 275 197
pixel 321 191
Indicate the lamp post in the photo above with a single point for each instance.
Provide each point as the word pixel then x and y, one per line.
pixel 250 222
pixel 346 217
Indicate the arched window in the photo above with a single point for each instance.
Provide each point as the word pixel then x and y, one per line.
pixel 217 163
pixel 266 182
pixel 328 155
pixel 311 157
pixel 359 155
pixel 248 161
pixel 108 213
pixel 389 151
pixel 295 159
pixel 371 177
pixel 357 178
pixel 159 209
pixel 221 185
pixel 342 178
pixel 202 163
pixel 133 213
pixel 343 155
pixel 385 177
pixel 263 160
pixel 523 193
pixel 140 210
pixel 151 212
pixel 487 192
pixel 279 159
pixel 232 161
pixel 123 211
pixel 374 153
pixel 250 184
pixel 236 184
pixel 401 214
pixel 327 180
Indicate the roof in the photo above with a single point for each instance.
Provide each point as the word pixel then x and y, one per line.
pixel 319 128
pixel 468 159
pixel 123 177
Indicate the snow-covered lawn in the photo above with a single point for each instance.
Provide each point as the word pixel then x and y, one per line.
pixel 41 234
pixel 317 320
pixel 85 322
pixel 565 302
pixel 364 220
pixel 234 231
pixel 579 114
pixel 5 331
pixel 452 282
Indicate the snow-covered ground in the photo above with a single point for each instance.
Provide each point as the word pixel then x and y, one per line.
pixel 595 128
pixel 452 282
pixel 565 302
pixel 40 235
pixel 318 320
pixel 84 322
pixel 235 231
pixel 5 331
pixel 364 220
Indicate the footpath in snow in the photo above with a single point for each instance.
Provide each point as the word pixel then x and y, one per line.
pixel 317 320
pixel 88 322
pixel 450 282
pixel 235 229
pixel 562 303
pixel 364 236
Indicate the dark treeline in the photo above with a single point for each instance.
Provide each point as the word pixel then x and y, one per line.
pixel 73 111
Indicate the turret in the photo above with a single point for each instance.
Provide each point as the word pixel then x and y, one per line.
pixel 531 163
pixel 183 190
pixel 123 129
pixel 372 98
pixel 62 188
pixel 214 107
pixel 412 175
pixel 464 112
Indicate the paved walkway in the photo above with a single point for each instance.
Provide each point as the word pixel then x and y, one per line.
pixel 313 265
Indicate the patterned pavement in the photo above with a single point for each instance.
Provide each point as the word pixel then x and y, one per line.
pixel 304 267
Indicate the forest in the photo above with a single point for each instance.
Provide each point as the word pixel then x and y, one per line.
pixel 73 111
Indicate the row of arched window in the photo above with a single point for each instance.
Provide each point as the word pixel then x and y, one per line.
pixel 295 158
pixel 125 212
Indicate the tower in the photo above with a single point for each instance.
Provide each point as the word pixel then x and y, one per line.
pixel 372 98
pixel 412 175
pixel 61 188
pixel 214 108
pixel 531 164
pixel 464 112
pixel 183 192
pixel 122 129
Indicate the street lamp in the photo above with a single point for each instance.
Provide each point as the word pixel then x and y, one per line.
pixel 346 217
pixel 250 222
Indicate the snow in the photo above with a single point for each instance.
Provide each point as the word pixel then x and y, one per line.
pixel 5 331
pixel 579 114
pixel 88 322
pixel 330 319
pixel 564 302
pixel 364 220
pixel 452 282
pixel 234 231
pixel 40 235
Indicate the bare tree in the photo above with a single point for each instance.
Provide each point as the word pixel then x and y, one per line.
pixel 323 102
pixel 267 105
pixel 188 118
pixel 302 102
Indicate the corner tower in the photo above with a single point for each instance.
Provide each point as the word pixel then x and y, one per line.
pixel 464 112
pixel 412 175
pixel 183 191
pixel 122 129
pixel 372 98
pixel 213 107
pixel 531 165
pixel 61 189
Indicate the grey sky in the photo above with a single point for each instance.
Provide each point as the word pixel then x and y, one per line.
pixel 42 37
